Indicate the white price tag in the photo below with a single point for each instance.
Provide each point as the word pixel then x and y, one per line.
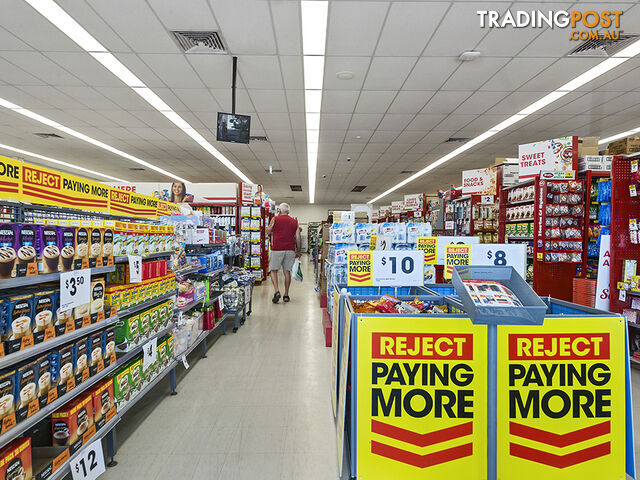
pixel 150 354
pixel 221 302
pixel 75 287
pixel 90 464
pixel 184 362
pixel 398 267
pixel 501 254
pixel 247 293
pixel 384 242
pixel 449 225
pixel 622 295
pixel 135 268
pixel 487 199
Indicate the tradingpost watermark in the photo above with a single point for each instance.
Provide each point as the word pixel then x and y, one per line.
pixel 589 25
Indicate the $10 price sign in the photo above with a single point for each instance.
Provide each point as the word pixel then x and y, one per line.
pixel 74 288
pixel 398 268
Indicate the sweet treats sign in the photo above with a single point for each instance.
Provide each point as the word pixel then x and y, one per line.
pixel 557 154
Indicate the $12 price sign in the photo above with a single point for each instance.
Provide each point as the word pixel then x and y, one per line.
pixel 89 465
pixel 398 267
pixel 74 288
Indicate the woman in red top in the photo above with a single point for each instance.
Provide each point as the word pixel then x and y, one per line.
pixel 285 248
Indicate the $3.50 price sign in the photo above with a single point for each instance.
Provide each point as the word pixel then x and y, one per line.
pixel 398 267
pixel 90 464
pixel 75 287
pixel 501 254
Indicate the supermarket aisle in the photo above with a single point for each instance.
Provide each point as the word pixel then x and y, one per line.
pixel 257 408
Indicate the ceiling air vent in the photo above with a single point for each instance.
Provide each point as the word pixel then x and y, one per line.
pixel 273 170
pixel 358 188
pixel 457 140
pixel 200 42
pixel 602 47
pixel 258 138
pixel 136 169
pixel 296 188
pixel 406 171
pixel 48 135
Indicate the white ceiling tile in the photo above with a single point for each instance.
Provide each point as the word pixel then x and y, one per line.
pixel 445 102
pixel 286 25
pixel 354 27
pixel 139 69
pixel 20 97
pixel 410 101
pixel 196 99
pixel 292 72
pixel 372 101
pixel 334 121
pixel 275 121
pixel 196 16
pixel 431 73
pixel 377 148
pixel 223 97
pixel 516 73
pixel 52 96
pixel 338 101
pixel 388 73
pixel 409 26
pixel 295 100
pixel 85 68
pixel 365 121
pixel 480 102
pixel 358 66
pixel 410 137
pixel 471 75
pixel 384 137
pixel 268 100
pixel 331 135
pixel 559 73
pixel 213 70
pixel 8 41
pixel 13 75
pixel 174 70
pixel 36 64
pixel 392 121
pixel 245 26
pixel 259 71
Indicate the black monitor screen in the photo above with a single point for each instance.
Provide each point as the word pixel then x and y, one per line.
pixel 233 128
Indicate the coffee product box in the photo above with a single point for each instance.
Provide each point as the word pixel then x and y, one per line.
pixel 27 250
pixel 107 239
pixel 44 304
pixel 103 401
pixel 65 363
pixel 81 259
pixel 62 317
pixel 72 421
pixel 170 347
pixel 97 297
pixel 128 332
pixel 18 328
pixel 96 353
pixel 136 374
pixel 163 319
pixel 67 241
pixel 79 314
pixel 163 358
pixel 8 392
pixel 27 387
pixel 109 346
pixel 145 324
pixel 8 249
pixel 122 385
pixel 15 460
pixel 81 360
pixel 153 322
pixel 48 241
pixel 45 381
pixel 95 242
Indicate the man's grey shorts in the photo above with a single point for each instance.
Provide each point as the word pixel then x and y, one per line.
pixel 282 258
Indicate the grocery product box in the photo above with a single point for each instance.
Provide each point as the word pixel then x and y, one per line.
pixel 72 421
pixel 45 306
pixel 595 162
pixel 17 331
pixel 136 375
pixel 62 367
pixel 81 360
pixel 588 146
pixel 26 388
pixel 122 385
pixel 128 332
pixel 7 396
pixel 45 379
pixel 103 401
pixel 15 460
pixel 625 146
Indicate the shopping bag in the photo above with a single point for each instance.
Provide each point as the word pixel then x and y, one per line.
pixel 297 270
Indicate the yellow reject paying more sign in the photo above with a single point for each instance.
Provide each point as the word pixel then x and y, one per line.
pixel 359 268
pixel 561 400
pixel 455 255
pixel 373 241
pixel 422 398
pixel 430 247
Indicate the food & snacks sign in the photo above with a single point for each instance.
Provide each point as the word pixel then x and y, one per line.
pixel 482 181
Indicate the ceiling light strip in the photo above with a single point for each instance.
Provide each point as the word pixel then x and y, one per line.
pixel 60 162
pixel 28 113
pixel 56 15
pixel 314 36
pixel 591 74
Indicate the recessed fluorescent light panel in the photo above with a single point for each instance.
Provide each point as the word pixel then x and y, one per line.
pixel 580 80
pixel 314 36
pixel 56 15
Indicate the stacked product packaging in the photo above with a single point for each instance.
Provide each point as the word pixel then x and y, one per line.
pixel 142 238
pixel 31 315
pixel 131 378
pixel 134 329
pixel 155 283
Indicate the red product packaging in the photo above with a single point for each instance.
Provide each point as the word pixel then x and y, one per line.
pixel 72 421
pixel 103 401
pixel 15 460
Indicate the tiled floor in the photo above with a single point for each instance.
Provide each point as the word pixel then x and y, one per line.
pixel 257 408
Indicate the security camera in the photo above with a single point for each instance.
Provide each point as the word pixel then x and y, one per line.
pixel 348 159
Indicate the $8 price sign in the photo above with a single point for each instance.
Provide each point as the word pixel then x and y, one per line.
pixel 402 267
pixel 500 257
pixel 501 254
pixel 74 288
pixel 89 465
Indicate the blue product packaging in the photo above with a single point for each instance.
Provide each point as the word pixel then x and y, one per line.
pixel 400 234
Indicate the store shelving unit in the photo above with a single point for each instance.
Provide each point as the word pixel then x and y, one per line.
pixel 589 268
pixel 145 305
pixel 149 256
pixel 18 282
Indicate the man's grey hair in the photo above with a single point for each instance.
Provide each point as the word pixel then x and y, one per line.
pixel 284 208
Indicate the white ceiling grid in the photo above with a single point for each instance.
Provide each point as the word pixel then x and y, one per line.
pixel 409 92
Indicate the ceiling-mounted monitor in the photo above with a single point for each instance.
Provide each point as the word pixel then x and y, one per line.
pixel 233 128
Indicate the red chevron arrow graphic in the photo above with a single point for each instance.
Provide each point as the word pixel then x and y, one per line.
pixel 557 440
pixel 560 461
pixel 421 461
pixel 421 439
pixel 360 276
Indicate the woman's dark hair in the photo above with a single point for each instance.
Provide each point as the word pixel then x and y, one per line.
pixel 183 193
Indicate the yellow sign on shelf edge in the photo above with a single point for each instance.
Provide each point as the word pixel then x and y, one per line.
pixel 455 255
